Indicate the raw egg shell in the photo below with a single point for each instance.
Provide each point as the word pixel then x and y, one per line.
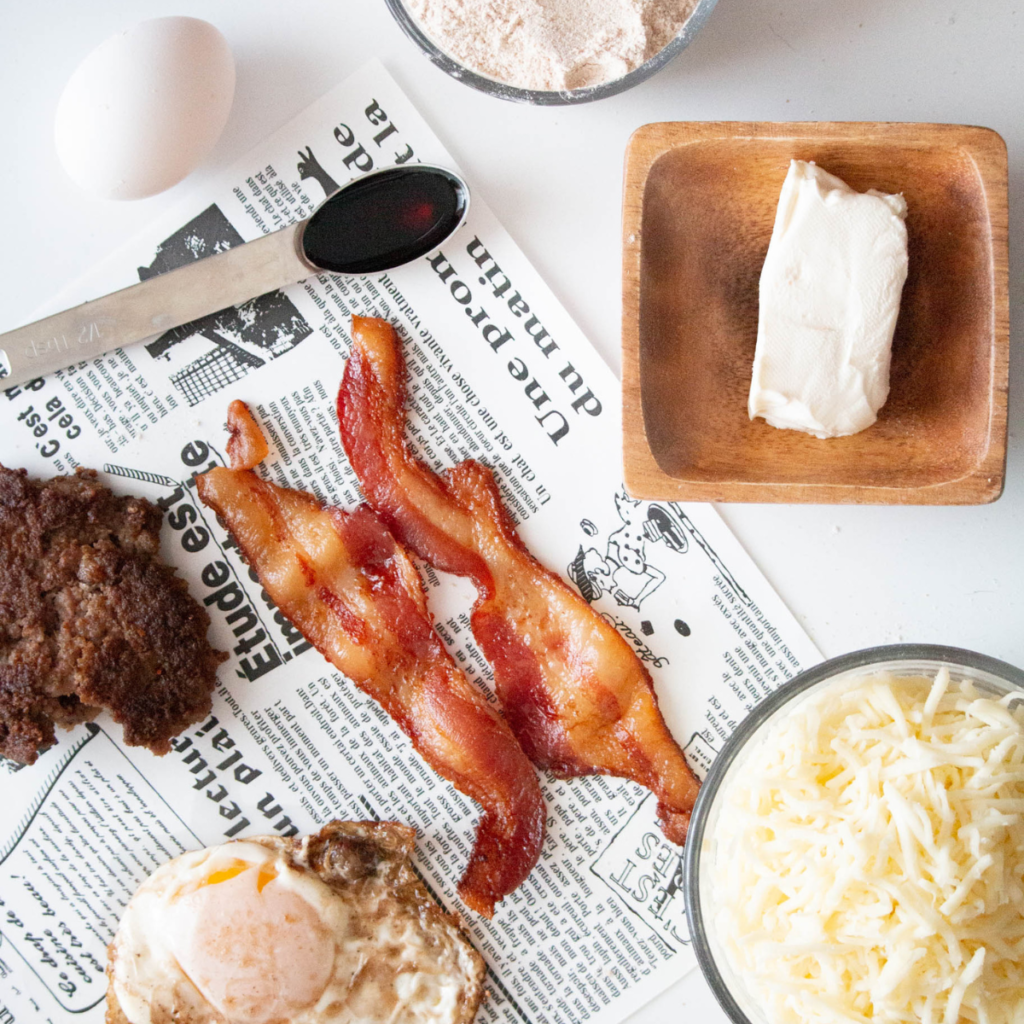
pixel 145 107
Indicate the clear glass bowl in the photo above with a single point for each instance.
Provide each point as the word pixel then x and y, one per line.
pixel 503 91
pixel 988 674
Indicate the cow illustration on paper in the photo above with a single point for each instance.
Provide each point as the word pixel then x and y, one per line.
pixel 623 570
pixel 214 351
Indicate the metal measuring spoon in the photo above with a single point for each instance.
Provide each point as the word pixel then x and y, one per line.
pixel 380 221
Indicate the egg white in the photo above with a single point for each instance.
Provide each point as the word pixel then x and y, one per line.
pixel 384 965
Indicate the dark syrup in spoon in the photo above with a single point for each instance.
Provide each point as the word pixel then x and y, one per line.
pixel 384 220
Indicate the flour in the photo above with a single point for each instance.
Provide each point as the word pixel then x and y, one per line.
pixel 551 44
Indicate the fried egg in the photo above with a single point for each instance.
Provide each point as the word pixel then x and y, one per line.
pixel 330 929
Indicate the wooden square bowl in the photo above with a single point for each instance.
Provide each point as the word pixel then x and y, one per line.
pixel 699 204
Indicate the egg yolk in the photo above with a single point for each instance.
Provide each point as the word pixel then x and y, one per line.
pixel 253 947
pixel 267 873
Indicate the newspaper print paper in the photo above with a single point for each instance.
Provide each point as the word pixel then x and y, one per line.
pixel 499 372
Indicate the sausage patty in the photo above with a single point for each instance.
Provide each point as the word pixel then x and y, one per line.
pixel 91 619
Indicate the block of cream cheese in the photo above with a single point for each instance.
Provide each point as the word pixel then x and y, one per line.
pixel 829 298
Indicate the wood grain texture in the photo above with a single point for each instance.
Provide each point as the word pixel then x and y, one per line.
pixel 698 207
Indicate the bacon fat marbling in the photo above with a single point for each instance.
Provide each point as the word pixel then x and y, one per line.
pixel 577 697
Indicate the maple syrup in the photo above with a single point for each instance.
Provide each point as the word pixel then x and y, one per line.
pixel 385 219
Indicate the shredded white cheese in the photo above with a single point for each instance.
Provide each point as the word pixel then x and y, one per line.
pixel 868 860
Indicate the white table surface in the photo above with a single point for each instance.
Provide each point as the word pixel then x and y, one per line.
pixel 854 576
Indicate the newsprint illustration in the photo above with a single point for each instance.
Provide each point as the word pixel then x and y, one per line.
pixel 497 372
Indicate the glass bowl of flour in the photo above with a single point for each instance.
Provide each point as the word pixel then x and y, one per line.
pixel 551 52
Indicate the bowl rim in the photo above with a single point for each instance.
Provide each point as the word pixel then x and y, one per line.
pixel 801 683
pixel 542 97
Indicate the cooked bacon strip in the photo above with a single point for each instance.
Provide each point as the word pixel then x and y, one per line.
pixel 577 697
pixel 247 447
pixel 355 594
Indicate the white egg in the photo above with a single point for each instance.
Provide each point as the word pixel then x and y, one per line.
pixel 145 107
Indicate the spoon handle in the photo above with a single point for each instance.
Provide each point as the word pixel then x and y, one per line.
pixel 154 306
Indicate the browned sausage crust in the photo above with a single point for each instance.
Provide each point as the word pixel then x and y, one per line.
pixel 90 618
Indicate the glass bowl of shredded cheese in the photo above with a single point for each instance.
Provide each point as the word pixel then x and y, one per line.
pixel 857 849
pixel 554 52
